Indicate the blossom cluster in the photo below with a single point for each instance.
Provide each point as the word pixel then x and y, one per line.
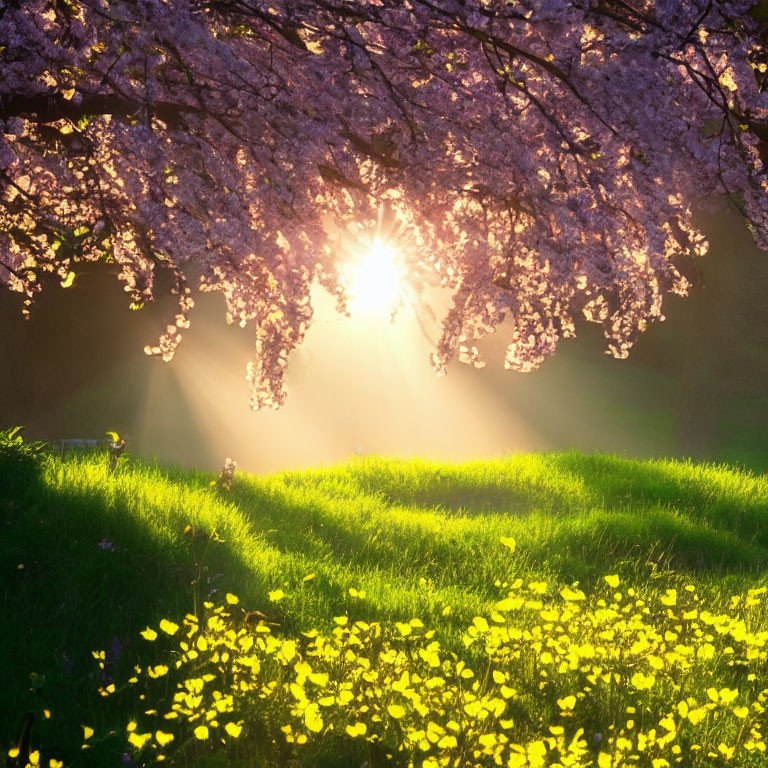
pixel 542 158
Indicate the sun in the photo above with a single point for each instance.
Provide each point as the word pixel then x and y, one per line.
pixel 375 280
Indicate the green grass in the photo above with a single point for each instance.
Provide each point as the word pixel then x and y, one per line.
pixel 416 535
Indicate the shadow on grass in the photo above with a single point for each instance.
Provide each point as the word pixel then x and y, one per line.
pixel 580 513
pixel 511 486
pixel 718 497
pixel 366 534
pixel 587 547
pixel 80 572
pixel 692 519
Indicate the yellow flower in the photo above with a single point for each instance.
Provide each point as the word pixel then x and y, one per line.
pixel 139 740
pixel 288 650
pixel 358 729
pixel 643 682
pixel 158 671
pixel 697 715
pixel 312 718
pixel 726 750
pixel 705 652
pixel 668 724
pixel 670 598
pixel 569 702
pixel 169 627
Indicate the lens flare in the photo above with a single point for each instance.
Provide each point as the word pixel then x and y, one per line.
pixel 375 281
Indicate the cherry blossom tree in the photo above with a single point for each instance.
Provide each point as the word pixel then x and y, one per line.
pixel 541 158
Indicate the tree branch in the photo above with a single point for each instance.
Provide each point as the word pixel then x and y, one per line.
pixel 50 107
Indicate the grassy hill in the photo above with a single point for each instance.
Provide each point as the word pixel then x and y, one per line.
pixel 88 559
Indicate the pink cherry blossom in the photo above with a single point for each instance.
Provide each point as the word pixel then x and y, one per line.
pixel 542 157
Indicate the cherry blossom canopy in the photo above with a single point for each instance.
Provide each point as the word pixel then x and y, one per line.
pixel 542 157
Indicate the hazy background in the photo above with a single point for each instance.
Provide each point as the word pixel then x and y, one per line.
pixel 695 385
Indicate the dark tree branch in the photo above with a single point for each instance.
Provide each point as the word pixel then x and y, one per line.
pixel 14 272
pixel 48 108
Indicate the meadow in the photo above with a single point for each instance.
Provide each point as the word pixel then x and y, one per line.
pixel 546 609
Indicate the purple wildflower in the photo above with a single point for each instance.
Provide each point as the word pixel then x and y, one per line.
pixel 115 651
